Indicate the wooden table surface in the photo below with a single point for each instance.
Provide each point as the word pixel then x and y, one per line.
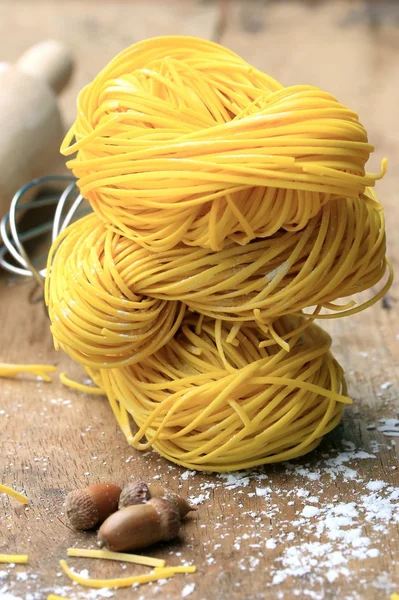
pixel 325 526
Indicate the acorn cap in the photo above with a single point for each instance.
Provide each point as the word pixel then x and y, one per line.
pixel 134 493
pixel 157 491
pixel 169 517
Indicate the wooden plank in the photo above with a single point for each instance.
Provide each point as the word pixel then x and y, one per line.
pixel 255 535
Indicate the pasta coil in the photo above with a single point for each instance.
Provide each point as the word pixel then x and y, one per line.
pixel 180 140
pixel 207 404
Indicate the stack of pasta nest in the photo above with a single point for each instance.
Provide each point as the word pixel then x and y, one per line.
pixel 229 211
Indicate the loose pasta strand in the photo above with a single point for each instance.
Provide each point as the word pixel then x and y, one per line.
pixel 12 370
pixel 76 385
pixel 18 559
pixel 5 489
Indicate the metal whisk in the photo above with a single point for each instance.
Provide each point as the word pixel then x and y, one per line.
pixel 67 208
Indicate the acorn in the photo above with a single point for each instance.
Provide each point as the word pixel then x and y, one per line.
pixel 140 492
pixel 92 505
pixel 139 525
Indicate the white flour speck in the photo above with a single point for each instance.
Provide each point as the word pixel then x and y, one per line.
pixel 187 474
pixel 375 486
pixel 263 491
pixel 386 385
pixel 389 427
pixel 187 590
pixel 310 511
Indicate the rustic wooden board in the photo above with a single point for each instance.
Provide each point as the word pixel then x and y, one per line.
pixel 281 532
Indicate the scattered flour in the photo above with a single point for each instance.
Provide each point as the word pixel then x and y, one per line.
pixel 187 590
pixel 200 499
pixel 376 486
pixel 266 491
pixel 186 474
pixel 327 533
pixel 310 511
pixel 233 481
pixel 84 573
pixel 4 595
pixel 386 385
pixel 389 427
pixel 62 402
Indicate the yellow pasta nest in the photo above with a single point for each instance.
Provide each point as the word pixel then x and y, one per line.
pixel 181 140
pixel 112 302
pixel 208 404
pixel 225 205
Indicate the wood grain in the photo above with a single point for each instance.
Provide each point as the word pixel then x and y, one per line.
pixel 53 439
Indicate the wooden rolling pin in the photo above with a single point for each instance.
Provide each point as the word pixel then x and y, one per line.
pixel 31 127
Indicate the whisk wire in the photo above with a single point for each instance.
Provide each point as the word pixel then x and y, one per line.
pixel 13 240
